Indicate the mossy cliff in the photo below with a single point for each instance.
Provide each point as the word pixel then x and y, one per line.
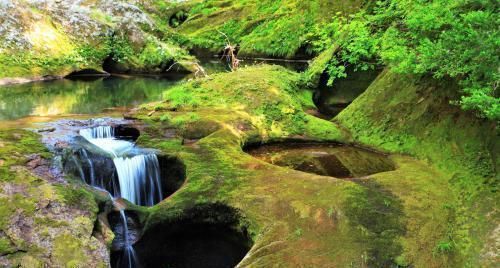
pixel 411 115
pixel 295 219
pixel 47 38
pixel 261 28
pixel 44 221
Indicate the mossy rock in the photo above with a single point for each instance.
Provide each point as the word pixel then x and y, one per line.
pixel 42 221
pixel 261 28
pixel 413 115
pixel 114 36
pixel 294 218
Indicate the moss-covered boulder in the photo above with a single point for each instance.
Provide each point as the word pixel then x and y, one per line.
pixel 294 219
pixel 44 221
pixel 413 115
pixel 261 28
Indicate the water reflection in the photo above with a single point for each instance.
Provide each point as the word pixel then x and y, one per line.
pixel 60 97
pixel 95 94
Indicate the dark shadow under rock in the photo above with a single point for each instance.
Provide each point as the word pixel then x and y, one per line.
pixel 331 100
pixel 207 236
pixel 87 75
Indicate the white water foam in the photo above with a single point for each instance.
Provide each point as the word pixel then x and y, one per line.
pixel 138 176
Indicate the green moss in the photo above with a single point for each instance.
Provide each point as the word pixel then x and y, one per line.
pixel 269 97
pixel 413 119
pixel 76 197
pixel 67 251
pixel 318 66
pixel 413 116
pixel 269 28
pixel 16 144
pixel 27 196
pixel 379 215
pixel 58 53
pixel 5 213
pixel 5 246
pixel 32 63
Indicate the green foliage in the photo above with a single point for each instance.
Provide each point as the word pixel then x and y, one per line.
pixel 180 96
pixel 444 247
pixel 120 48
pixel 178 18
pixel 445 38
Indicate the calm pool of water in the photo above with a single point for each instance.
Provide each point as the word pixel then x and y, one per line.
pixel 62 97
pixel 67 97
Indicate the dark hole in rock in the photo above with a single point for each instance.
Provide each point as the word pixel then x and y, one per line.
pixel 331 100
pixel 173 174
pixel 110 65
pixel 204 236
pixel 133 232
pixel 125 132
pixel 86 75
pixel 325 159
pixel 305 52
pixel 178 19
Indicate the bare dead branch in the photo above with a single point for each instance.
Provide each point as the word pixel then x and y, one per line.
pixel 229 53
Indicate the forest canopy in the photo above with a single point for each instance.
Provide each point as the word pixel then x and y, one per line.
pixel 456 39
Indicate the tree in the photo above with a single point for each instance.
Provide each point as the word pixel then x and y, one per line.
pixel 459 39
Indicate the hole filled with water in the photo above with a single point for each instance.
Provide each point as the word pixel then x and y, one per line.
pixel 334 160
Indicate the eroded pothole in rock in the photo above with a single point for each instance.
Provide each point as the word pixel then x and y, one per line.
pixel 327 159
pixel 126 227
pixel 207 236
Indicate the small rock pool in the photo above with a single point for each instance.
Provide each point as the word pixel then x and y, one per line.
pixel 326 159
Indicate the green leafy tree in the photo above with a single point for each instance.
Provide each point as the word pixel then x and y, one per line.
pixel 457 39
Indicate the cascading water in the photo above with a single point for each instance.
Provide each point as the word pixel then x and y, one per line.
pixel 100 132
pixel 129 258
pixel 104 138
pixel 139 179
pixel 138 176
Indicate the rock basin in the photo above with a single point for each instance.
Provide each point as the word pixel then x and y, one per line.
pixel 326 159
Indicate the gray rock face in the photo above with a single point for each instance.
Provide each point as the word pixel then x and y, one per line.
pixel 40 38
pixel 85 21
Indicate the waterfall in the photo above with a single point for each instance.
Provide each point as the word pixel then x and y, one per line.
pixel 129 257
pixel 139 179
pixel 91 165
pixel 104 138
pixel 138 175
pixel 100 132
pixel 79 168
